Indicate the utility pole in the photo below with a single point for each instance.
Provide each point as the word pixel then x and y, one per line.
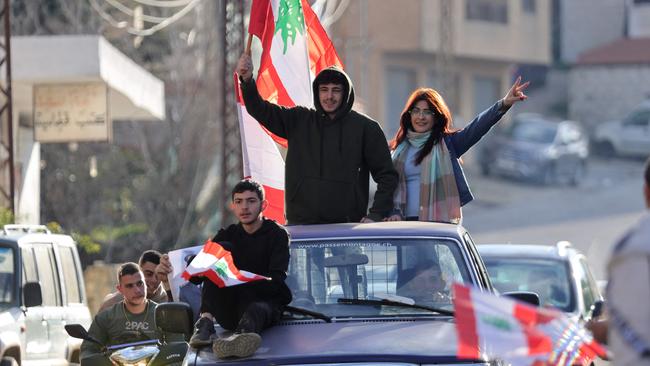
pixel 7 179
pixel 444 56
pixel 232 35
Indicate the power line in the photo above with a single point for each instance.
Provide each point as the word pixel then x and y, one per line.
pixel 162 22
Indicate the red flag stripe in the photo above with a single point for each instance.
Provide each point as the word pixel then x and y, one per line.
pixel 321 50
pixel 468 346
pixel 275 209
pixel 529 318
pixel 260 9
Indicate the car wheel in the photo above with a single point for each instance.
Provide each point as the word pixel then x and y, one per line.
pixel 578 173
pixel 8 361
pixel 605 149
pixel 485 169
pixel 549 175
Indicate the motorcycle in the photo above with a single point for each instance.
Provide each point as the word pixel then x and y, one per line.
pixel 170 317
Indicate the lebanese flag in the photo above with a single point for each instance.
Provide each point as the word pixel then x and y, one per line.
pixel 216 263
pixel 518 333
pixel 295 48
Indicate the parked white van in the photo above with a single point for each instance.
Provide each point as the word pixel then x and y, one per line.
pixel 41 290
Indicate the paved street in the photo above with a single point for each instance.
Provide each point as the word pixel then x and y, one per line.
pixel 591 216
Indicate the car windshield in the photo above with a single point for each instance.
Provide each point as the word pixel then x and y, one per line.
pixel 6 275
pixel 323 271
pixel 533 131
pixel 548 278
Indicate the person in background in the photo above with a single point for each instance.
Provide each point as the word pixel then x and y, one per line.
pixel 129 320
pixel 148 262
pixel 626 328
pixel 426 152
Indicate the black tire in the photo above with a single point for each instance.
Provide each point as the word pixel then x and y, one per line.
pixel 8 361
pixel 605 149
pixel 578 174
pixel 485 169
pixel 549 175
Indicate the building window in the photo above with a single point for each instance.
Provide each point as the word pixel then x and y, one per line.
pixel 642 1
pixel 487 10
pixel 528 6
pixel 449 89
pixel 486 92
pixel 400 82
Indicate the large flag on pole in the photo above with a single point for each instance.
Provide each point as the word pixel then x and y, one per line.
pixel 518 333
pixel 295 47
pixel 217 264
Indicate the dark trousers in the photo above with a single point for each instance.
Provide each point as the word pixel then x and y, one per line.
pixel 239 308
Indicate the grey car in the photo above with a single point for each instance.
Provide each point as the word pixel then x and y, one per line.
pixel 350 299
pixel 537 148
pixel 559 274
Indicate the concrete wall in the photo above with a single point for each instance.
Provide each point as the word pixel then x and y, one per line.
pixel 587 24
pixel 601 93
pixel 100 280
pixel 525 38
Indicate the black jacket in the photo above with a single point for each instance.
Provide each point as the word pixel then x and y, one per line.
pixel 264 252
pixel 328 160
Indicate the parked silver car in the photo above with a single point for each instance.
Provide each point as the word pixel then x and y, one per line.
pixel 627 137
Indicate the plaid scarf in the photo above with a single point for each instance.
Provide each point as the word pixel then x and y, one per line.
pixel 439 198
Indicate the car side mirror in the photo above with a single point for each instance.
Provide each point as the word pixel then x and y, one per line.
pixel 525 296
pixel 596 309
pixel 32 294
pixel 175 317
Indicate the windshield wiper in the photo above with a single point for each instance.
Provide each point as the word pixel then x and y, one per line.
pixel 394 303
pixel 313 314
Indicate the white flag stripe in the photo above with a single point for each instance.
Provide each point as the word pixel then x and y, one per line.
pixel 267 165
pixel 514 343
pixel 292 67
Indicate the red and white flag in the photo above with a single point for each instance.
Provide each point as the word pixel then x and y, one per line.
pixel 518 333
pixel 216 263
pixel 295 47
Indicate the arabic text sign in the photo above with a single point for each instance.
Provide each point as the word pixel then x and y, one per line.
pixel 71 112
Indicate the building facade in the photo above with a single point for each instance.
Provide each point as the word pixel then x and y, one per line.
pixel 466 49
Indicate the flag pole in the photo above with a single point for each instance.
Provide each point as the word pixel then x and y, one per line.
pixel 248 44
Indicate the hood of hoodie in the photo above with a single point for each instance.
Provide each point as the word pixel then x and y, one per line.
pixel 348 92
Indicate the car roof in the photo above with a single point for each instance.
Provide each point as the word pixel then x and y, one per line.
pixel 556 252
pixel 377 229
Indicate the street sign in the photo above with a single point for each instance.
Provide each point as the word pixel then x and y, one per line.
pixel 71 112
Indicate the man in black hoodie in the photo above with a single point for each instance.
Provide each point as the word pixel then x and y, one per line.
pixel 332 150
pixel 260 246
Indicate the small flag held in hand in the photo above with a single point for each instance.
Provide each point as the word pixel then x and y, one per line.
pixel 216 263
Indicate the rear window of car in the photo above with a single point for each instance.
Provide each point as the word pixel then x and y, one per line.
pixel 548 278
pixel 532 131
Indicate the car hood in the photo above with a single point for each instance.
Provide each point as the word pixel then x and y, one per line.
pixel 421 340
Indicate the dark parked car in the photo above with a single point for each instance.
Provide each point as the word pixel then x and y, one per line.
pixel 537 148
pixel 355 297
pixel 558 274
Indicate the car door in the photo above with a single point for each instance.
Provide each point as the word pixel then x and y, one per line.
pixel 48 276
pixel 37 344
pixel 635 133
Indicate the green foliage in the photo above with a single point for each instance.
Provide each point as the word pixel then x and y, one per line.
pixel 6 216
pixel 86 243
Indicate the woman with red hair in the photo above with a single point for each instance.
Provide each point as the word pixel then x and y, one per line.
pixel 426 152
